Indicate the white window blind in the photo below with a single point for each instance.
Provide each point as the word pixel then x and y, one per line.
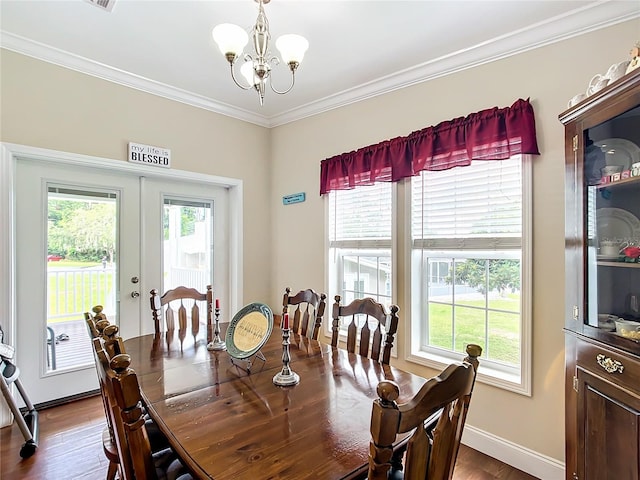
pixel 361 216
pixel 473 205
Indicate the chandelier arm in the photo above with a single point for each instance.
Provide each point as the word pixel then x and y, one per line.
pixel 233 76
pixel 293 82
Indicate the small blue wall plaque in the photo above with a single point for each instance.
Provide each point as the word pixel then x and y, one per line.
pixel 293 198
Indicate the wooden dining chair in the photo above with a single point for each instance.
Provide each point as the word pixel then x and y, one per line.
pixel 91 320
pixel 173 301
pixel 99 326
pixel 96 324
pixel 304 301
pixel 430 452
pixel 130 417
pixel 109 443
pixel 96 321
pixel 106 344
pixel 163 458
pixel 362 311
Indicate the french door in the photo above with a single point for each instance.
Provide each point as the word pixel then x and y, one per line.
pixel 186 239
pixel 87 236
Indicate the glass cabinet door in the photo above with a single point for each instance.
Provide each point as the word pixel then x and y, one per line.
pixel 611 177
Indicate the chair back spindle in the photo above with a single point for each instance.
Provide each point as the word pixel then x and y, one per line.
pixel 195 319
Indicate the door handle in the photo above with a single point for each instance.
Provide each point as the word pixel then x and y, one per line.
pixel 135 294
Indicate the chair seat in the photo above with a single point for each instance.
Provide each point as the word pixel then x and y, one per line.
pixel 111 452
pixel 169 467
pixel 157 439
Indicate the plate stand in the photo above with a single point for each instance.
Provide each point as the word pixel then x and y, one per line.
pixel 247 363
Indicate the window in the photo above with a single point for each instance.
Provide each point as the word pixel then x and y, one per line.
pixel 469 268
pixel 462 232
pixel 186 250
pixel 360 234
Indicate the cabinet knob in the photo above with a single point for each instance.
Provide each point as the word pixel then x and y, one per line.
pixel 609 364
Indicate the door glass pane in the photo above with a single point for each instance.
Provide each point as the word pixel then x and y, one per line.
pixel 81 272
pixel 187 247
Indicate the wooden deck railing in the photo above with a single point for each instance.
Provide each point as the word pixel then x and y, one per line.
pixel 73 291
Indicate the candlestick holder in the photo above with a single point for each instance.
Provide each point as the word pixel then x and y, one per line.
pixel 217 343
pixel 286 377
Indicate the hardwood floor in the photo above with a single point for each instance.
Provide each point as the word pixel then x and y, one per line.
pixel 70 447
pixel 473 465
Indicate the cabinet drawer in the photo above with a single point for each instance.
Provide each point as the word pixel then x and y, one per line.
pixel 607 363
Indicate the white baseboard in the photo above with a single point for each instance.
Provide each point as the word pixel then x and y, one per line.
pixel 533 463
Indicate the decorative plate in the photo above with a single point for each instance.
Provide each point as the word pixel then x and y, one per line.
pixel 616 223
pixel 619 151
pixel 249 330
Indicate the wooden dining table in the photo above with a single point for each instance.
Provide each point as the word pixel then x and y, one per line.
pixel 227 423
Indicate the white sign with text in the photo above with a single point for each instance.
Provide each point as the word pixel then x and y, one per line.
pixel 149 155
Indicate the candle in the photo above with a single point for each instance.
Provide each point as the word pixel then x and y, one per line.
pixel 285 321
pixel 217 303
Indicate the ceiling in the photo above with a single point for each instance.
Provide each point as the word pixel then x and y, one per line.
pixel 358 49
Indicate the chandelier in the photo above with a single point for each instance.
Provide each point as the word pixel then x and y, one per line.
pixel 256 69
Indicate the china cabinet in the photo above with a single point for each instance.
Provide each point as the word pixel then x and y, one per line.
pixel 602 229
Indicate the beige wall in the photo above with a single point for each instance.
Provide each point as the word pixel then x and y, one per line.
pixel 51 107
pixel 47 106
pixel 549 76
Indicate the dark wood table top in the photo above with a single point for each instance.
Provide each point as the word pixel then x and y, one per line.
pixel 228 424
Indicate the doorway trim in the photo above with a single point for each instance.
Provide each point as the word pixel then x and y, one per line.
pixel 10 153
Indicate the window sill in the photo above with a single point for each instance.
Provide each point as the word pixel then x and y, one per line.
pixel 486 374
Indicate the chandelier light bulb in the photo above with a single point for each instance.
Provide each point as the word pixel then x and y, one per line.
pixel 292 48
pixel 231 39
pixel 246 70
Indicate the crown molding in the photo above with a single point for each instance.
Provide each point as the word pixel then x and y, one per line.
pixel 80 64
pixel 577 22
pixel 563 27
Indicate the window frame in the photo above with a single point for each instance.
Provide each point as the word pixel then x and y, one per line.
pixel 401 259
pixel 414 332
pixel 333 278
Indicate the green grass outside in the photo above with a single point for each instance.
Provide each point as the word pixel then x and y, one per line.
pixel 76 292
pixel 470 327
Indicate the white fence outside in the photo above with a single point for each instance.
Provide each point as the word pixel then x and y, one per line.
pixel 73 291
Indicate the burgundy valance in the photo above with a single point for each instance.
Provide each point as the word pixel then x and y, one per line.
pixel 493 134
